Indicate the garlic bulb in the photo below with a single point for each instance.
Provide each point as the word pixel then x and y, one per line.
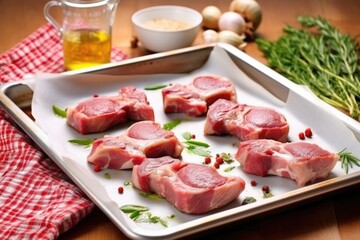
pixel 211 15
pixel 210 36
pixel 232 21
pixel 232 38
pixel 251 12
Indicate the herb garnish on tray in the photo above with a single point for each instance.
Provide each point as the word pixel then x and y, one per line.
pixel 86 142
pixel 320 57
pixel 348 160
pixel 140 213
pixel 195 146
pixel 59 112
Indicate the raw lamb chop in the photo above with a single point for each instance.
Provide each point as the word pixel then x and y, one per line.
pixel 300 161
pixel 142 139
pixel 192 188
pixel 194 98
pixel 245 122
pixel 101 113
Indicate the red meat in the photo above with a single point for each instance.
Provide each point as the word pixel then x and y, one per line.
pixel 194 99
pixel 192 188
pixel 301 161
pixel 142 139
pixel 245 122
pixel 101 113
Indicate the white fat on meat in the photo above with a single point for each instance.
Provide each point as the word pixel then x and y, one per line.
pixel 301 161
pixel 193 99
pixel 245 122
pixel 192 188
pixel 142 139
pixel 100 113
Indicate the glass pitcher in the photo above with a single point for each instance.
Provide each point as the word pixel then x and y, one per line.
pixel 86 30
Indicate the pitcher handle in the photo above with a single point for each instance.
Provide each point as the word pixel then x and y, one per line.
pixel 48 16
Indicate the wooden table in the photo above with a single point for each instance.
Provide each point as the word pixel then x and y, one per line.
pixel 331 217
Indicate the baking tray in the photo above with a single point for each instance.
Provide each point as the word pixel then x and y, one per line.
pixel 17 99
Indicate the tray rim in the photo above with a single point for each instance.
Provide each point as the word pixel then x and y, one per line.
pixel 275 202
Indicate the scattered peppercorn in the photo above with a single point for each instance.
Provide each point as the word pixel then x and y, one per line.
pixel 95 95
pixel 193 136
pixel 253 183
pixel 308 132
pixel 120 190
pixel 216 165
pixel 265 189
pixel 301 135
pixel 219 160
pixel 97 168
pixel 207 160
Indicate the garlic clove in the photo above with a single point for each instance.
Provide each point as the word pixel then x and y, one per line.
pixel 232 21
pixel 232 38
pixel 211 15
pixel 250 10
pixel 210 36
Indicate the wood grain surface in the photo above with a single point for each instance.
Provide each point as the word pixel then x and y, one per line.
pixel 331 217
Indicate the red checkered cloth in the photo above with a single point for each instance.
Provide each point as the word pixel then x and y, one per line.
pixel 37 200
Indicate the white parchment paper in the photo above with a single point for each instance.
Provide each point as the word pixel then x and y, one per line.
pixel 64 91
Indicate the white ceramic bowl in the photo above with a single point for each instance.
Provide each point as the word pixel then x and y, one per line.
pixel 159 40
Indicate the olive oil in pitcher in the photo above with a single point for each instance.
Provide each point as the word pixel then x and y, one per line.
pixel 86 48
pixel 86 30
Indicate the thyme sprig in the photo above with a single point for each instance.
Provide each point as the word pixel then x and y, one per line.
pixel 348 160
pixel 320 56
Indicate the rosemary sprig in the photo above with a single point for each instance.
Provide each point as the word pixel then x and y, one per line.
pixel 319 56
pixel 348 160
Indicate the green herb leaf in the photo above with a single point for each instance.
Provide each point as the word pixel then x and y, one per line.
pixel 228 169
pixel 199 151
pixel 267 194
pixel 248 200
pixel 59 112
pixel 155 86
pixel 186 135
pixel 170 125
pixel 171 216
pixel 150 195
pixel 348 160
pixel 127 184
pixel 142 214
pixel 154 219
pixel 227 157
pixel 164 222
pixel 197 143
pixel 134 215
pixel 82 142
pixel 132 208
pixel 107 176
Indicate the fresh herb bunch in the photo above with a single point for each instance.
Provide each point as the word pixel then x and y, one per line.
pixel 319 56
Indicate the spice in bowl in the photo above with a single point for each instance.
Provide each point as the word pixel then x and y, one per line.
pixel 166 24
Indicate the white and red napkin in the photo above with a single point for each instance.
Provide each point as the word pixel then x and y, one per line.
pixel 37 200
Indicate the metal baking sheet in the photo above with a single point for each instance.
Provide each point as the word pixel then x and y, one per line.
pixel 263 86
